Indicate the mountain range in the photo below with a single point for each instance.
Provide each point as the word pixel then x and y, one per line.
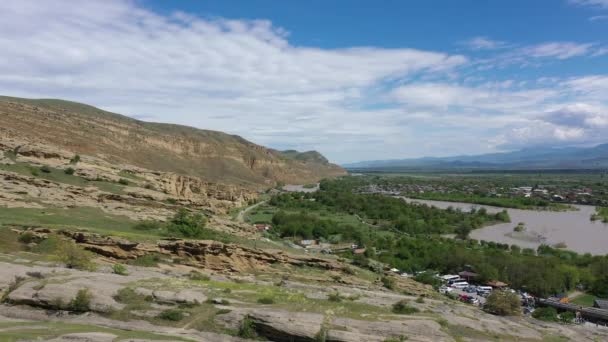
pixel 531 158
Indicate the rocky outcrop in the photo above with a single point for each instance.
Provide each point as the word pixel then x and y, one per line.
pixel 206 254
pixel 287 326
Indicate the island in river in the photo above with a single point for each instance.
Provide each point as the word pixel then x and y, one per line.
pixel 570 229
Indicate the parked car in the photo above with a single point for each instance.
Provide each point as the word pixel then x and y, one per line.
pixel 445 289
pixel 470 289
pixel 460 285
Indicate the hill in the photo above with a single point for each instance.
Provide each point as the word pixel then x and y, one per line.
pixel 210 155
pixel 532 158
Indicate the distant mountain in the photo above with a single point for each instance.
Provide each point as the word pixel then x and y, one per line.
pixel 210 155
pixel 531 158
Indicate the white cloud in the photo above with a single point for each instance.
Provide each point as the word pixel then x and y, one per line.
pixel 245 77
pixel 598 18
pixel 484 43
pixel 559 50
pixel 590 3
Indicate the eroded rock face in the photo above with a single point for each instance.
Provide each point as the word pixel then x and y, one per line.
pixel 206 254
pixel 279 325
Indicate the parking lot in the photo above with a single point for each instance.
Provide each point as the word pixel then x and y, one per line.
pixel 459 292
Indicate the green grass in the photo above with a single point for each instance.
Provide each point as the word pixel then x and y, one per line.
pixel 20 331
pixel 583 300
pixel 91 219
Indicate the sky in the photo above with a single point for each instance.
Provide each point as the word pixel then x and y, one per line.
pixel 355 80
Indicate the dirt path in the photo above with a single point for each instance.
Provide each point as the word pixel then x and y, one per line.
pixel 241 215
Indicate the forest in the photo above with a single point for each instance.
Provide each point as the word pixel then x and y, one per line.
pixel 411 238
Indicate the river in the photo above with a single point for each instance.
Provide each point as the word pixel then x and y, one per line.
pixel 572 228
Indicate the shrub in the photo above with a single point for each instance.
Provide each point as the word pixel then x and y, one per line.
pixel 148 260
pixel 69 171
pixel 123 181
pixel 548 314
pixel 45 169
pixel 194 275
pixel 567 317
pixel 171 315
pixel 119 269
pixel 188 225
pixel 388 282
pixel 503 303
pixel 420 300
pixel 148 225
pixel 247 329
pixel 75 159
pixel 26 237
pixel 402 307
pixel 223 311
pixel 35 172
pixel 128 295
pixel 74 257
pixel 81 302
pixel 335 297
pixel 428 278
pixel 265 300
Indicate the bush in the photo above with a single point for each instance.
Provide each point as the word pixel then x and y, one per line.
pixel 128 295
pixel 171 315
pixel 74 257
pixel 75 159
pixel 194 275
pixel 26 237
pixel 503 303
pixel 119 269
pixel 82 301
pixel 335 297
pixel 148 225
pixel 266 300
pixel 247 329
pixel 420 300
pixel 69 171
pixel 35 172
pixel 149 260
pixel 548 314
pixel 123 181
pixel 389 283
pixel 428 278
pixel 567 317
pixel 402 307
pixel 45 169
pixel 188 225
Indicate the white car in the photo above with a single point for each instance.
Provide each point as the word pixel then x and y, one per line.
pixel 445 289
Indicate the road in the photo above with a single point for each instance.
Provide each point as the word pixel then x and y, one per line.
pixel 241 215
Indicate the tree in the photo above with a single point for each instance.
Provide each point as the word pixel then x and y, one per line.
pixel 503 303
pixel 186 224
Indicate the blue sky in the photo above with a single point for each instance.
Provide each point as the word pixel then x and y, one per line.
pixel 355 80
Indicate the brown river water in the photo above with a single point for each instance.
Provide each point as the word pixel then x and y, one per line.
pixel 573 228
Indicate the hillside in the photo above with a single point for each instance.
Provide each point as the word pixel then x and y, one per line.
pixel 210 155
pixel 532 158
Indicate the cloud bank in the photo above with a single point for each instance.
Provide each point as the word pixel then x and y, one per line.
pixel 245 77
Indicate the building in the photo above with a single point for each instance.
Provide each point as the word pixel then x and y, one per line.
pixel 600 304
pixel 468 276
pixel 263 227
pixel 497 284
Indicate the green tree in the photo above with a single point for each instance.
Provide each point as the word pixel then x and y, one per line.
pixel 503 303
pixel 186 224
